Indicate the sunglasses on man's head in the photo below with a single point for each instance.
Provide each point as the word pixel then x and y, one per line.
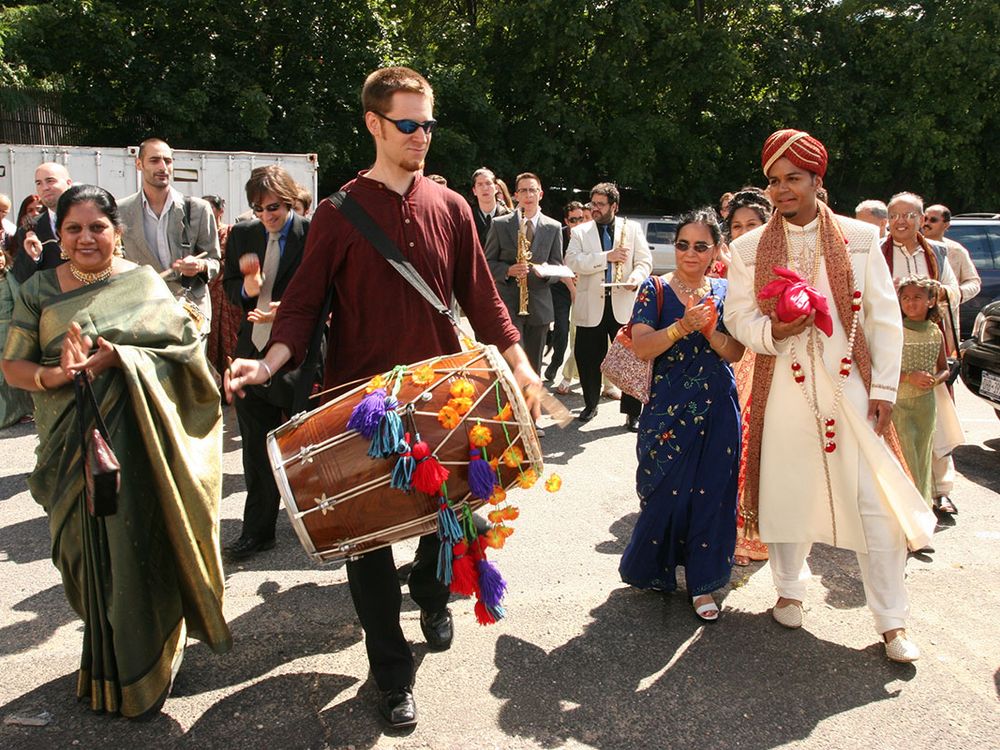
pixel 409 127
pixel 259 209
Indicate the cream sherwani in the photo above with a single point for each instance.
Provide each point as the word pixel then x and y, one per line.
pixel 869 504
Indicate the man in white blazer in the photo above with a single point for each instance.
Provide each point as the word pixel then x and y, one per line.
pixel 594 253
pixel 167 230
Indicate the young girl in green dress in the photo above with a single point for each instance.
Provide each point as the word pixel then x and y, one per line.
pixel 924 366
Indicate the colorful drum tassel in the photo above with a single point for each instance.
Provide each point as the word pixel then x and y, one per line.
pixel 482 478
pixel 429 474
pixel 449 532
pixel 385 441
pixel 366 416
pixel 464 576
pixel 402 472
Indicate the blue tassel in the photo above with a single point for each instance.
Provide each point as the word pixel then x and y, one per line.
pixel 497 611
pixel 482 479
pixel 448 532
pixel 492 586
pixel 402 472
pixel 385 442
pixel 365 417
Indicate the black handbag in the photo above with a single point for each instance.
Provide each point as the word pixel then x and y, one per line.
pixel 101 469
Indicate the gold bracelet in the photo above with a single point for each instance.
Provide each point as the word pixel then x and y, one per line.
pixel 673 333
pixel 38 378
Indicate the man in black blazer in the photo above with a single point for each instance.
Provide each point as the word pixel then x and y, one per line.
pixel 485 207
pixel 39 248
pixel 262 255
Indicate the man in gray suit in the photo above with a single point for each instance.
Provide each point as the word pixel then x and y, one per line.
pixel 545 236
pixel 169 231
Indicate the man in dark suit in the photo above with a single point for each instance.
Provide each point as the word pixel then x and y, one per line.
pixel 261 257
pixel 39 248
pixel 485 207
pixel 545 237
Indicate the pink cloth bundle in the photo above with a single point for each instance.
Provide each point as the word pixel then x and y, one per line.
pixel 797 298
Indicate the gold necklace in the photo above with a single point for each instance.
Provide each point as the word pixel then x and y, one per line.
pixel 698 292
pixel 801 260
pixel 85 277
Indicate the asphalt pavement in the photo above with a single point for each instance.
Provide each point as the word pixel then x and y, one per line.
pixel 580 660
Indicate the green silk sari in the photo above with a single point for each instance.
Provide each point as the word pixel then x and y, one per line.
pixel 150 574
pixel 14 403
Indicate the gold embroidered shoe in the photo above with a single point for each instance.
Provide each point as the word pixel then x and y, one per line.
pixel 789 616
pixel 902 649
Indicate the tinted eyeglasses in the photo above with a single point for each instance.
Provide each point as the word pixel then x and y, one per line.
pixel 409 127
pixel 933 219
pixel 259 209
pixel 908 215
pixel 699 247
pixel 574 219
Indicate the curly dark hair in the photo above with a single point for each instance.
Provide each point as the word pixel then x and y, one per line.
pixel 749 197
pixel 705 215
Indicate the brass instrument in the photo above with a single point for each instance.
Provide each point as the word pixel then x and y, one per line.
pixel 523 256
pixel 619 272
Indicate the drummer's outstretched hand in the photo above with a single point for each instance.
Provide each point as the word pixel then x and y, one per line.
pixel 524 375
pixel 240 374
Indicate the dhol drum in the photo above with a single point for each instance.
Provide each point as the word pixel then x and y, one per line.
pixel 340 500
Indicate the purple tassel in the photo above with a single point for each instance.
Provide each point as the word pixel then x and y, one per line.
pixel 492 586
pixel 481 476
pixel 368 413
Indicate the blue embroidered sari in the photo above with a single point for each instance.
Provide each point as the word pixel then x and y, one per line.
pixel 689 451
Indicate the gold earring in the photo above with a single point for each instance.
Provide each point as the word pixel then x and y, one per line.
pixel 119 250
pixel 63 255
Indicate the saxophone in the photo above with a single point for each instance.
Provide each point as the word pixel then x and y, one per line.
pixel 523 256
pixel 619 272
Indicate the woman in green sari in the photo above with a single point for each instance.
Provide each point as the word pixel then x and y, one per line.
pixel 149 575
pixel 15 404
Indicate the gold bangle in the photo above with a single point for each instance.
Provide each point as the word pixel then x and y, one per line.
pixel 38 378
pixel 672 333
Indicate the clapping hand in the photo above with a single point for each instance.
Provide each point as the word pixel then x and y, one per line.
pixel 190 265
pixel 32 245
pixel 75 355
pixel 259 316
pixel 252 279
pixel 698 316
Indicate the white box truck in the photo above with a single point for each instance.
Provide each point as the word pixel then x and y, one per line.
pixel 196 173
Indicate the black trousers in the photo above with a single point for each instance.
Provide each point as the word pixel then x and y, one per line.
pixel 259 412
pixel 559 338
pixel 590 348
pixel 532 340
pixel 378 598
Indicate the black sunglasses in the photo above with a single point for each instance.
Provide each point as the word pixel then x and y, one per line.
pixel 409 127
pixel 270 208
pixel 698 247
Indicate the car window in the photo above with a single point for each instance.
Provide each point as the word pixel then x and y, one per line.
pixel 975 238
pixel 660 232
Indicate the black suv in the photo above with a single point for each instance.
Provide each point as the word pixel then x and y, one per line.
pixel 980 234
pixel 981 356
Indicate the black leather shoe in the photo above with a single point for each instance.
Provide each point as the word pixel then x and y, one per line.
pixel 398 707
pixel 438 628
pixel 587 414
pixel 632 424
pixel 247 546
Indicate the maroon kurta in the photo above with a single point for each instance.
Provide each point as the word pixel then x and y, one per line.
pixel 378 319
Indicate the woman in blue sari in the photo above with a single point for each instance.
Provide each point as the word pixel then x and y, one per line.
pixel 689 432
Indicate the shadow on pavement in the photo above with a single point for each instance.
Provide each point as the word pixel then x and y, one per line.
pixel 839 573
pixel 12 486
pixel 74 722
pixel 26 541
pixel 52 611
pixel 644 673
pixel 979 464
pixel 283 711
pixel 304 621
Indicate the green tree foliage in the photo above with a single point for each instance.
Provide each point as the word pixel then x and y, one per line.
pixel 669 98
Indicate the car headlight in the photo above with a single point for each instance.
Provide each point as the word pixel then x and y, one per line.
pixel 978 327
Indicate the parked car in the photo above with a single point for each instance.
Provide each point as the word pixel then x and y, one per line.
pixel 660 232
pixel 980 234
pixel 981 356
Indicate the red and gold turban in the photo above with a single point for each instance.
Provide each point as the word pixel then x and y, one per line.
pixel 798 147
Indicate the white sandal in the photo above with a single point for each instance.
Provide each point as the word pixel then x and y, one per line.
pixel 707 611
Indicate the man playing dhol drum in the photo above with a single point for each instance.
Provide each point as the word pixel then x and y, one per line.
pixel 379 321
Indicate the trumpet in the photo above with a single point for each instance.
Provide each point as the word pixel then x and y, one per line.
pixel 619 272
pixel 523 256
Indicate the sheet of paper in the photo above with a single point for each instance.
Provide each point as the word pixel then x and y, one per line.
pixel 552 271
